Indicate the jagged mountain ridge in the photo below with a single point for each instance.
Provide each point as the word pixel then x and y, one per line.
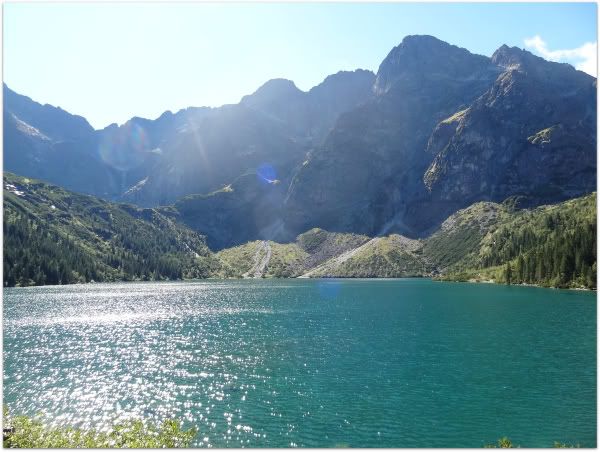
pixel 49 143
pixel 436 129
pixel 196 150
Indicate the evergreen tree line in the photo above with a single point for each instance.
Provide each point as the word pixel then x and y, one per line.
pixel 35 254
pixel 558 249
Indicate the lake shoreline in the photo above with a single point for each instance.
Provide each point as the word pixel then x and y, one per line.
pixel 491 281
pixel 435 279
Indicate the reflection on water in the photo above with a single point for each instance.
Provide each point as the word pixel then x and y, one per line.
pixel 309 363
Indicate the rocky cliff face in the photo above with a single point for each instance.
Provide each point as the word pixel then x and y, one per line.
pixel 212 152
pixel 531 134
pixel 49 121
pixel 311 115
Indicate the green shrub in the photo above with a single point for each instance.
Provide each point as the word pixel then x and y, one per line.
pixel 26 432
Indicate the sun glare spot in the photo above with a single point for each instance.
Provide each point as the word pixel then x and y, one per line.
pixel 266 173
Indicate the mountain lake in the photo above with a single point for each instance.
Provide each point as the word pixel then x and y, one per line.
pixel 309 362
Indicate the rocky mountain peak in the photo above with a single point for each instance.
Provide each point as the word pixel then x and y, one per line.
pixel 343 90
pixel 426 57
pixel 514 58
pixel 278 89
pixel 358 76
pixel 54 122
pixel 436 128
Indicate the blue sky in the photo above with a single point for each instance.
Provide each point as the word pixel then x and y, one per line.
pixel 111 61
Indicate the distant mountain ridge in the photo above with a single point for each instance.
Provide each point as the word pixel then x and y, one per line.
pixel 195 150
pixel 435 130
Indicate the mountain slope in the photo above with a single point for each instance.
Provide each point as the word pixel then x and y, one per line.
pixel 52 236
pixel 273 127
pixel 272 259
pixel 553 245
pixel 196 150
pixel 244 210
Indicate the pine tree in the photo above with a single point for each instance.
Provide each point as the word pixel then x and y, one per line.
pixel 508 273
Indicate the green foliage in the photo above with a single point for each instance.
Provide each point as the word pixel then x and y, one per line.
pixel 384 257
pixel 549 246
pixel 543 136
pixel 447 249
pixel 286 261
pixel 237 260
pixel 455 117
pixel 559 445
pixel 52 236
pixel 508 273
pixel 552 246
pixel 312 240
pixel 31 433
pixel 458 240
pixel 505 443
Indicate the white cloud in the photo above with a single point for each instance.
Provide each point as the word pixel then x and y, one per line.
pixel 583 58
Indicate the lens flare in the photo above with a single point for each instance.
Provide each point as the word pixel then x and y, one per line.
pixel 125 148
pixel 328 289
pixel 266 173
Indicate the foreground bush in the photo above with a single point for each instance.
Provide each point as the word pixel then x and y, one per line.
pixel 505 443
pixel 26 432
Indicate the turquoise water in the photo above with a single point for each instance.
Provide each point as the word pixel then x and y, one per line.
pixel 383 363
